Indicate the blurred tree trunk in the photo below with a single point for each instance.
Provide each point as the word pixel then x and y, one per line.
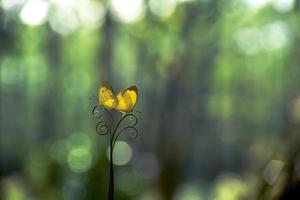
pixel 106 48
pixel 194 80
pixel 12 100
pixel 51 102
pixel 297 5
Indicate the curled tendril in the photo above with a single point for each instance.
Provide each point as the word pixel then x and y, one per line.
pixel 126 116
pixel 132 128
pixel 103 128
pixel 128 127
pixel 98 111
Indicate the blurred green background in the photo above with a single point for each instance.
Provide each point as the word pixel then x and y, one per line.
pixel 219 92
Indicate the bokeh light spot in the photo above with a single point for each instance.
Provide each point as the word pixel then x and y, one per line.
pixel 122 153
pixel 249 40
pixel 79 159
pixel 13 189
pixel 272 171
pixel 64 20
pixel 128 11
pixel 256 4
pixel 34 12
pixel 91 14
pixel 275 35
pixel 64 3
pixel 10 4
pixel 283 5
pixel 79 155
pixel 79 140
pixel 163 8
pixel 229 187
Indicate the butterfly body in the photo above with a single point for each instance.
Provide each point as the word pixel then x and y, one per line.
pixel 124 101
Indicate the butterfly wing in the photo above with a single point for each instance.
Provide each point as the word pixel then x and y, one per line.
pixel 126 100
pixel 106 96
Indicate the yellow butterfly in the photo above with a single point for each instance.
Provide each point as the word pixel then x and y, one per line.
pixel 124 102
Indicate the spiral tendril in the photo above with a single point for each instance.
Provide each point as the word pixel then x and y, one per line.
pixel 104 127
pixel 124 117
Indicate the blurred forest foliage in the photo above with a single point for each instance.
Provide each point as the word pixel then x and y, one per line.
pixel 219 91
